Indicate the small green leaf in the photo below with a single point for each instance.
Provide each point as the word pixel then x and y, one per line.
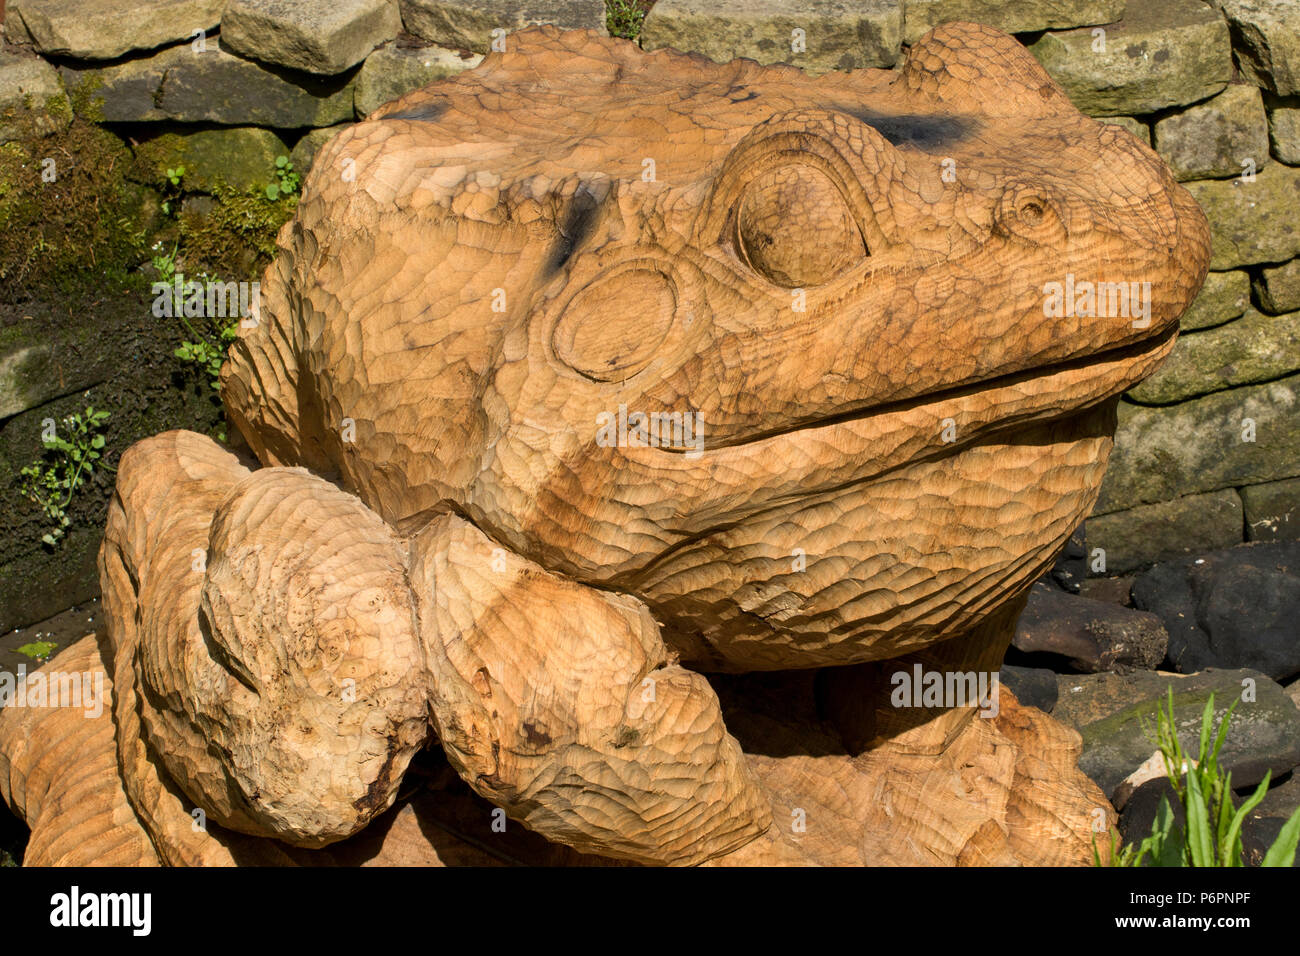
pixel 1230 848
pixel 37 649
pixel 1167 838
pixel 1199 843
pixel 1282 852
pixel 1207 720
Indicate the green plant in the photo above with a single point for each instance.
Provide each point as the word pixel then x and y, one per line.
pixel 286 180
pixel 623 18
pixel 174 176
pixel 164 263
pixel 209 350
pixel 1212 833
pixel 65 467
pixel 38 650
pixel 207 345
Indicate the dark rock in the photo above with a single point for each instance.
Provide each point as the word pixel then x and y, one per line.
pixel 840 36
pixel 136 380
pixel 305 150
pixel 1266 40
pixel 198 205
pixel 240 156
pixel 1161 53
pixel 1088 635
pixel 1140 812
pixel 1284 127
pixel 1224 440
pixel 1258 834
pixel 1115 590
pixel 468 24
pixel 104 29
pixel 1244 229
pixel 1137 127
pixel 317 36
pixel 394 70
pixel 1213 139
pixel 1254 348
pixel 1277 288
pixel 1223 297
pixel 213 86
pixel 1023 16
pixel 1033 686
pixel 1072 565
pixel 1234 608
pixel 1282 799
pixel 28 83
pixel 1116 716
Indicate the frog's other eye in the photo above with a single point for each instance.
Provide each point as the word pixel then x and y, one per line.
pixel 614 327
pixel 794 227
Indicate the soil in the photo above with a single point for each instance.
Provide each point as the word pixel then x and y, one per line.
pixel 110 353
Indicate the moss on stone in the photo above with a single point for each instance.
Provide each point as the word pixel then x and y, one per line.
pixel 235 237
pixel 62 209
pixel 59 109
pixel 84 97
pixel 242 157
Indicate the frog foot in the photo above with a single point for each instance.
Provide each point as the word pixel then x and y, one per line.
pixel 561 704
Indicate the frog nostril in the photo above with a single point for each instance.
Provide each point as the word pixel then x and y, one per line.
pixel 1031 212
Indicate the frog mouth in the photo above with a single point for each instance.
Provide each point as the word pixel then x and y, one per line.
pixel 1025 396
pixel 731 481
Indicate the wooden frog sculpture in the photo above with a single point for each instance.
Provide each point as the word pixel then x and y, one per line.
pixel 589 373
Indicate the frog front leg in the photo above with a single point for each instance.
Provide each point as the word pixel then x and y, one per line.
pixel 561 704
pixel 267 669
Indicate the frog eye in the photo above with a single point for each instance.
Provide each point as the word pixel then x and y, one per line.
pixel 614 327
pixel 794 227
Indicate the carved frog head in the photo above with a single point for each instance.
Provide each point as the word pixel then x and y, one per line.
pixel 822 369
